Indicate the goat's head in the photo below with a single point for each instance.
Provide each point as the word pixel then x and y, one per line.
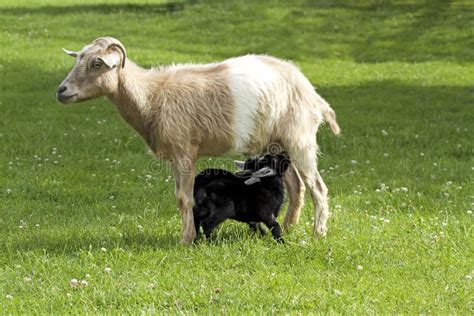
pixel 96 71
pixel 265 166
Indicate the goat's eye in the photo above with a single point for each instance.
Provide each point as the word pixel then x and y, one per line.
pixel 97 64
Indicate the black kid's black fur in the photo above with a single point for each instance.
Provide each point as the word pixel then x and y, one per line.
pixel 220 195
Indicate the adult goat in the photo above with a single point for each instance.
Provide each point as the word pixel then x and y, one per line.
pixel 241 105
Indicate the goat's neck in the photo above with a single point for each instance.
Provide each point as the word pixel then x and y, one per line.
pixel 132 98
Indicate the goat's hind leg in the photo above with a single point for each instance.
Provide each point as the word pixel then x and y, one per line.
pixel 272 224
pixel 307 165
pixel 295 188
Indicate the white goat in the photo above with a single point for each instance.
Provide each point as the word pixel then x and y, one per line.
pixel 241 105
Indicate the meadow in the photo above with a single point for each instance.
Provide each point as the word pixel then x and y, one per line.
pixel 88 220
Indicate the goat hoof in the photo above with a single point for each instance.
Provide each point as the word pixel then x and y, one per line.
pixel 320 231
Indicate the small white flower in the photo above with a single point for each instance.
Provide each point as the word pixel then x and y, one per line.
pixel 404 189
pixel 468 277
pixel 84 283
pixel 103 249
pixel 27 279
pixel 88 275
pixel 8 297
pixel 152 285
pixel 132 170
pixel 422 154
pixel 37 225
pixel 385 155
pixel 74 282
pixel 386 220
pixel 8 191
pixel 360 268
pixel 107 270
pixel 384 132
pixel 354 162
pixel 469 212
pixel 337 292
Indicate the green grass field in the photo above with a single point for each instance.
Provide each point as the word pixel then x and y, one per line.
pixel 81 197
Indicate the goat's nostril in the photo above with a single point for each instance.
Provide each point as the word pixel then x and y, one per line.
pixel 62 89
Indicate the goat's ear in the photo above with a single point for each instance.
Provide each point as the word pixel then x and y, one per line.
pixel 111 60
pixel 261 173
pixel 239 164
pixel 252 180
pixel 70 52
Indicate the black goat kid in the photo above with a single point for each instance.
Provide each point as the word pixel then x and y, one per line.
pixel 253 195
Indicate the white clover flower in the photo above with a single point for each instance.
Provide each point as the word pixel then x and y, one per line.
pixel 385 155
pixel 384 132
pixel 8 191
pixel 27 279
pixel 360 268
pixel 103 249
pixel 8 297
pixel 74 282
pixel 107 270
pixel 84 283
pixel 337 292
pixel 354 162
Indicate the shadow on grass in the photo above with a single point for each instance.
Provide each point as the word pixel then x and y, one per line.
pixel 162 8
pixel 131 241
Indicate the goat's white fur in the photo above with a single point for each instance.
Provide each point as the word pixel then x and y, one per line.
pixel 241 105
pixel 249 79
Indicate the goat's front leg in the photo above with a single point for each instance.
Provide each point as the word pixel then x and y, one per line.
pixel 184 197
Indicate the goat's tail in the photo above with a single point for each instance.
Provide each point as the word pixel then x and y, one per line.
pixel 329 116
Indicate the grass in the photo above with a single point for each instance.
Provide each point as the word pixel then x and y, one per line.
pixel 79 193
